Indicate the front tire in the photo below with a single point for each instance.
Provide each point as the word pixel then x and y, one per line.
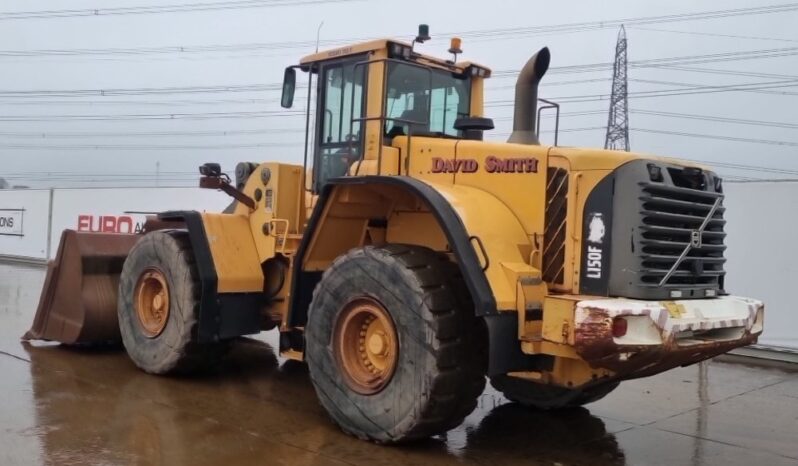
pixel 394 350
pixel 158 306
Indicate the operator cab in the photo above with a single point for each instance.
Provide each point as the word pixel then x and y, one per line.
pixel 371 93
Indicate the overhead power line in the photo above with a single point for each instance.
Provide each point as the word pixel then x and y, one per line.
pixel 195 116
pixel 191 147
pixel 155 116
pixel 297 145
pixel 49 135
pixel 44 135
pixel 751 74
pixel 156 9
pixel 31 98
pixel 160 103
pixel 741 121
pixel 660 93
pixel 711 34
pixel 242 88
pixel 140 90
pixel 718 137
pixel 75 174
pixel 489 104
pixel 687 91
pixel 668 61
pixel 476 34
pixel 755 168
pixel 550 83
pixel 150 147
pixel 766 180
pixel 693 85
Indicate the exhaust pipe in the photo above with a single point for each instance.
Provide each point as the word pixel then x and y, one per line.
pixel 526 98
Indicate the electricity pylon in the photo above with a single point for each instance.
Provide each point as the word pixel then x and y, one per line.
pixel 618 121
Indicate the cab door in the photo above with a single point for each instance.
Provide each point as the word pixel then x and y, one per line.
pixel 341 103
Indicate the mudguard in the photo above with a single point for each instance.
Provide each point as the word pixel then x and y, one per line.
pixel 483 235
pixel 221 315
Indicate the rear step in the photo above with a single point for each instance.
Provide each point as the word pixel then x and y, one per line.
pixel 78 300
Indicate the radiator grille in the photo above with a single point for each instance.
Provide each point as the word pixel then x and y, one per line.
pixel 554 235
pixel 670 214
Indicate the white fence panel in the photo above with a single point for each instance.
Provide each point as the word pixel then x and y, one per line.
pixel 762 254
pixel 23 222
pixel 123 210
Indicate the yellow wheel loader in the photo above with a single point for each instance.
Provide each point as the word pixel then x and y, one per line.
pixel 409 259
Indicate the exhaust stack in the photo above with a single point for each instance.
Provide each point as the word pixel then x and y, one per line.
pixel 526 98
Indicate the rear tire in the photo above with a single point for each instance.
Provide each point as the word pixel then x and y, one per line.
pixel 439 371
pixel 541 396
pixel 156 343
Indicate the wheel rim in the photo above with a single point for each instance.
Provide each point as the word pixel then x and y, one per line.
pixel 152 302
pixel 365 345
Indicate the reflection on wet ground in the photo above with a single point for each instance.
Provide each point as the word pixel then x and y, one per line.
pixel 71 406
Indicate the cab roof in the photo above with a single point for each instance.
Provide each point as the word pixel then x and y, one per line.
pixel 383 44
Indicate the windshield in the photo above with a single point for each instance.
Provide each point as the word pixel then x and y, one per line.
pixel 428 99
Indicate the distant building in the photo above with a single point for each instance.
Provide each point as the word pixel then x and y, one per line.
pixel 4 184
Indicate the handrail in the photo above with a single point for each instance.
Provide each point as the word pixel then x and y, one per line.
pixel 272 229
pixel 307 135
pixel 550 104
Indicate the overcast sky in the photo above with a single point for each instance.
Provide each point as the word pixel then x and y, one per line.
pixel 69 138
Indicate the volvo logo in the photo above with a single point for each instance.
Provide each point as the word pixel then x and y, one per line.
pixel 695 239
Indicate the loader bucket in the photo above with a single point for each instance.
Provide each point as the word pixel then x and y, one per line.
pixel 78 300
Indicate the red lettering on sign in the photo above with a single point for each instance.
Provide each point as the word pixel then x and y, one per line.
pixel 84 222
pixel 124 221
pixel 108 224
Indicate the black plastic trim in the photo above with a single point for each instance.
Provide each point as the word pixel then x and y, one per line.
pixel 239 314
pixel 505 353
pixel 595 263
pixel 304 282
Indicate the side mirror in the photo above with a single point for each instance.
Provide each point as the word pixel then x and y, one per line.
pixel 289 86
pixel 210 169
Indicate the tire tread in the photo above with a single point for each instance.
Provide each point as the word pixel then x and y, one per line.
pixel 459 370
pixel 187 355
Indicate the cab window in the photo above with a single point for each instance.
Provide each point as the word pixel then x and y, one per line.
pixel 339 137
pixel 429 100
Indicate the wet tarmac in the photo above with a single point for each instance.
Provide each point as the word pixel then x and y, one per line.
pixel 62 406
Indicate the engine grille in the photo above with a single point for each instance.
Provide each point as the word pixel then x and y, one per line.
pixel 670 216
pixel 637 224
pixel 554 234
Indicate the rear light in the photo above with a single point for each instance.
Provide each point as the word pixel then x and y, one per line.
pixel 619 326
